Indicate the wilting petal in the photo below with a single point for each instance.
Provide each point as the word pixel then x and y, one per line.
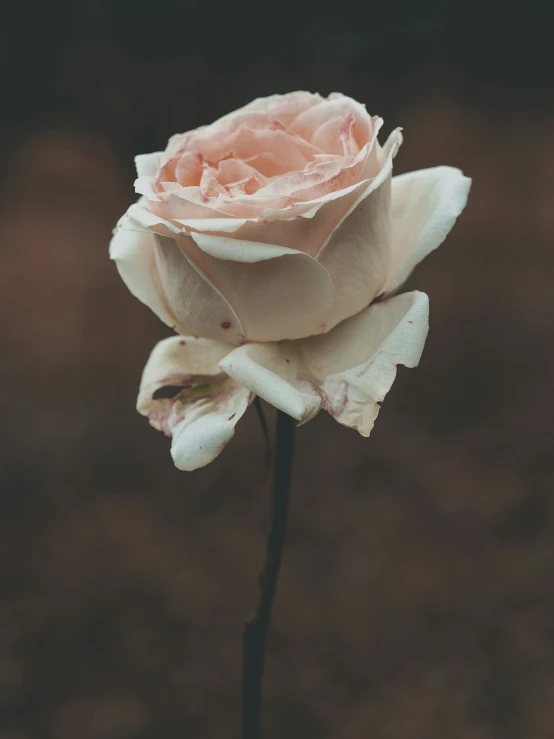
pixel 347 372
pixel 357 361
pixel 277 373
pixel 425 205
pixel 134 252
pixel 185 394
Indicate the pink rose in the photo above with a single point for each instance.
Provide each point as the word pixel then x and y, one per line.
pixel 275 224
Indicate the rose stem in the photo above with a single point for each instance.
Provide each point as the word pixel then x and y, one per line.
pixel 257 625
pixel 265 434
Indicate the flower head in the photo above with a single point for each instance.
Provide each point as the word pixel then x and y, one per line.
pixel 278 235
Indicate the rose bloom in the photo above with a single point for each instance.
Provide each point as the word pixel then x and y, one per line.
pixel 271 241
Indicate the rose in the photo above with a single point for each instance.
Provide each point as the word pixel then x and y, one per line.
pixel 247 237
pixel 276 228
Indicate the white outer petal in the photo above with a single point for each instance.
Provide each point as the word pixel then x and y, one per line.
pixel 425 206
pixel 197 303
pixel 179 355
pixel 347 371
pixel 201 439
pixel 134 252
pixel 283 296
pixel 238 250
pixel 262 293
pixel 356 362
pixel 139 213
pixel 357 254
pixel 147 164
pixel 275 372
pixel 216 225
pixel 160 274
pixel 201 424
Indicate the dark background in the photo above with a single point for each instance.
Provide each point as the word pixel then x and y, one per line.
pixel 417 594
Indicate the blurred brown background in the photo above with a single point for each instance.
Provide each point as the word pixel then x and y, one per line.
pixel 417 595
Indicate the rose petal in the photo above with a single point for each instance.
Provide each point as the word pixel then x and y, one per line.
pixel 357 361
pixel 210 187
pixel 134 252
pixel 425 205
pixel 304 209
pixel 283 107
pixel 236 250
pixel 188 169
pixel 160 274
pixel 278 374
pixel 188 207
pixel 197 303
pixel 148 164
pixel 320 217
pixel 186 395
pixel 213 225
pixel 189 186
pixel 318 178
pixel 308 123
pixel 305 234
pixel 216 143
pixel 173 227
pixel 392 144
pixel 336 136
pixel 347 372
pixel 267 164
pixel 234 170
pixel 172 201
pixel 285 295
pixel 357 254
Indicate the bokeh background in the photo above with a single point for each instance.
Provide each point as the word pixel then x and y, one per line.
pixel 417 594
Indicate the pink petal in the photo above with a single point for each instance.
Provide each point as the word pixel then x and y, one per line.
pixel 309 122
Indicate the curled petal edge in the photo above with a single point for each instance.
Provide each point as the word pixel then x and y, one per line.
pixel 346 372
pixel 425 206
